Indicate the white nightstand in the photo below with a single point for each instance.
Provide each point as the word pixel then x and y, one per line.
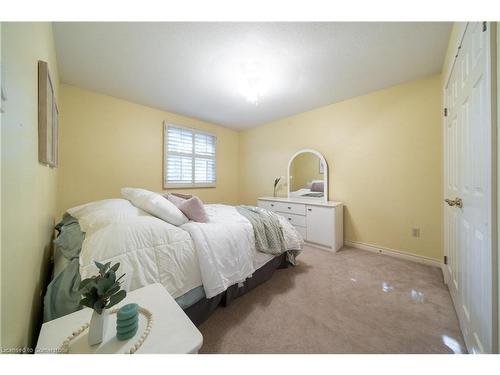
pixel 172 330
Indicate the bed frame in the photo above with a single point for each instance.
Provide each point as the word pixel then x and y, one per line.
pixel 201 310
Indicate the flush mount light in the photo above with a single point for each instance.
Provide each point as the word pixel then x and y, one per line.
pixel 249 71
pixel 254 81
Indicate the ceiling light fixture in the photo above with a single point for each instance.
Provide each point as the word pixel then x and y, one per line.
pixel 253 83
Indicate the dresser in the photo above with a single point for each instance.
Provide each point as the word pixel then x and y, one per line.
pixel 319 223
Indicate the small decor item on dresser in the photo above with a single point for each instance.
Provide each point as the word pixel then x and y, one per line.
pixel 127 321
pixel 276 182
pixel 101 292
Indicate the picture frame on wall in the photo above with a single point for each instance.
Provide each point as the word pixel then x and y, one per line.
pixel 48 118
pixel 321 167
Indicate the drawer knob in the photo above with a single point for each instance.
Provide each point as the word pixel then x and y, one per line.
pixel 272 205
pixel 289 218
pixel 309 209
pixel 289 208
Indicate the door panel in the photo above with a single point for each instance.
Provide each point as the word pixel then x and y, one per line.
pixel 319 225
pixel 468 175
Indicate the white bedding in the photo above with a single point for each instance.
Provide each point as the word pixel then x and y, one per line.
pixel 149 250
pixel 300 192
pixel 216 254
pixel 226 247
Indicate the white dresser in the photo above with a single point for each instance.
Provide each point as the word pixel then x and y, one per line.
pixel 320 223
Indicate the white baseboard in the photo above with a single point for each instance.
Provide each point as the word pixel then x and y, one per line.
pixel 393 253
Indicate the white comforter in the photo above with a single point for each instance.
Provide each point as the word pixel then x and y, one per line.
pixel 226 247
pixel 215 254
pixel 149 250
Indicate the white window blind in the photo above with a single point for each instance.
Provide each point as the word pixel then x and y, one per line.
pixel 189 159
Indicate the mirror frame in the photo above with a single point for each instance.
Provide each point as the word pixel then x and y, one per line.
pixel 325 174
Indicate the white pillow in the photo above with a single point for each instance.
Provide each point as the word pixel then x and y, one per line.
pixel 155 204
pixel 85 209
pixel 95 215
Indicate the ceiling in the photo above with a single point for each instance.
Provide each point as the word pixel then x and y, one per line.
pixel 217 71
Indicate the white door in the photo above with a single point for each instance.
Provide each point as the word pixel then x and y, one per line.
pixel 468 188
pixel 319 225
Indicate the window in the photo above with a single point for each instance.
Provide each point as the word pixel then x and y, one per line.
pixel 189 157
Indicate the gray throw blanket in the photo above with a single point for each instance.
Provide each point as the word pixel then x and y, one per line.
pixel 63 296
pixel 266 227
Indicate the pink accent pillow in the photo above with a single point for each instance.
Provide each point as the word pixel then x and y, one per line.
pixel 194 209
pixel 317 187
pixel 177 198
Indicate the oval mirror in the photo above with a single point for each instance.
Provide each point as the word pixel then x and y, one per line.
pixel 308 176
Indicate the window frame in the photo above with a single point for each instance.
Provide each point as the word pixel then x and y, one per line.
pixel 192 185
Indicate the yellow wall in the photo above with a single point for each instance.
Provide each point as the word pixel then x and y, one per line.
pixel 108 143
pixel 28 188
pixel 384 152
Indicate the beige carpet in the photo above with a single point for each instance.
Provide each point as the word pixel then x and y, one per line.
pixel 349 302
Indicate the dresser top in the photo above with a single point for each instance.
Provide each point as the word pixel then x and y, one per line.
pixel 310 202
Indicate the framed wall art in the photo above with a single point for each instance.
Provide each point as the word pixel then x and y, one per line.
pixel 48 118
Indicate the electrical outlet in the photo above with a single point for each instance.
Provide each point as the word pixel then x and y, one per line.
pixel 415 232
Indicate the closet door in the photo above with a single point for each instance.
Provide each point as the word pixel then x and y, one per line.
pixel 468 188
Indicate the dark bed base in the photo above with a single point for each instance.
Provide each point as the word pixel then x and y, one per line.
pixel 201 310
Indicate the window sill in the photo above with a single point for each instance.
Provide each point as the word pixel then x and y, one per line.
pixel 188 186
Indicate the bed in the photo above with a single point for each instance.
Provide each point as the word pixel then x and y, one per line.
pixel 313 189
pixel 202 265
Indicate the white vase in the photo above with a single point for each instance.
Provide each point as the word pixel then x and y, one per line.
pixel 97 328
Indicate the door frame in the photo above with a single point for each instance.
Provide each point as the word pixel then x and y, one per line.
pixel 495 166
pixel 496 115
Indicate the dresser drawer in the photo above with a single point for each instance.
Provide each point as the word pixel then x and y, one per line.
pixel 292 208
pixel 268 205
pixel 295 220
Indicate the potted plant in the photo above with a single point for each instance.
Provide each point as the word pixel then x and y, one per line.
pixel 101 292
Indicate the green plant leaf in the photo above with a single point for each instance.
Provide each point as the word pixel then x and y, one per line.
pixel 99 305
pixel 104 269
pixel 117 280
pixel 87 301
pixel 114 299
pixel 115 288
pixel 104 284
pixel 115 267
pixel 99 265
pixel 111 275
pixel 85 282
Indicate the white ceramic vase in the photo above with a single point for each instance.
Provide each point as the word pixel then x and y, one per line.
pixel 97 328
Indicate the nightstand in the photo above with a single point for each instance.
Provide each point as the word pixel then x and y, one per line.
pixel 172 331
